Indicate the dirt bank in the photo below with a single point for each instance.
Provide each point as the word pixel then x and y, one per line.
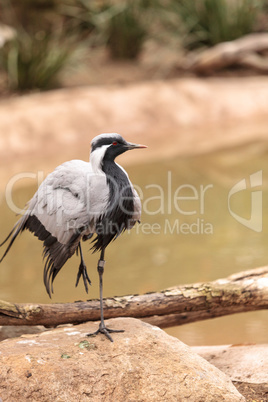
pixel 180 117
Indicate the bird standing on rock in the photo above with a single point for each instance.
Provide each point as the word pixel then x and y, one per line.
pixel 77 200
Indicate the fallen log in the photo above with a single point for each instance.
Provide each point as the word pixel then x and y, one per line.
pixel 241 292
pixel 248 51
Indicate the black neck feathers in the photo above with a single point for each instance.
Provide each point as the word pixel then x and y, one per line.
pixel 120 206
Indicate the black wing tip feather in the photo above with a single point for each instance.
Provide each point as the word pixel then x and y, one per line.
pixel 46 277
pixel 50 273
pixel 6 239
pixel 17 229
pixel 32 223
pixel 53 264
pixel 55 253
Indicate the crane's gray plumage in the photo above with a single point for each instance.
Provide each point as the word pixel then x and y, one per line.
pixel 80 199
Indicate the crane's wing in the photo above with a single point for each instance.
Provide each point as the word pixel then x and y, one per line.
pixel 65 207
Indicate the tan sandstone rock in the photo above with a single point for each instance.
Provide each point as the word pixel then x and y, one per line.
pixel 246 363
pixel 143 364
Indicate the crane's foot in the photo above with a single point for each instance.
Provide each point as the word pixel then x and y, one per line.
pixel 82 271
pixel 106 331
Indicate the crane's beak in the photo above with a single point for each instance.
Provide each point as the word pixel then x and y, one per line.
pixel 130 146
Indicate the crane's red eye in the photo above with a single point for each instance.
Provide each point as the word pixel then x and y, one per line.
pixel 115 143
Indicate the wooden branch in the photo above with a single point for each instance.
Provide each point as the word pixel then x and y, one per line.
pixel 245 291
pixel 255 62
pixel 242 52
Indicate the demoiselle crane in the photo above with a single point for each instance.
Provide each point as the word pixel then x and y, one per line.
pixel 77 200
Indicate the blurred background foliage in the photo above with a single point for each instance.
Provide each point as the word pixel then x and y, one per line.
pixel 208 22
pixel 50 35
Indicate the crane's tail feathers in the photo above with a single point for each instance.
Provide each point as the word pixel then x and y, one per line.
pixel 17 229
pixel 48 269
pixel 56 255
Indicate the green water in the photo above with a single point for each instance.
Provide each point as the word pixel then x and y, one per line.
pixel 181 240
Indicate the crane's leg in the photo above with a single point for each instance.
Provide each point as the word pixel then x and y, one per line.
pixel 82 271
pixel 102 327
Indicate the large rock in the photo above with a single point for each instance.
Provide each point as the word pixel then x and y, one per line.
pixel 244 363
pixel 12 331
pixel 143 364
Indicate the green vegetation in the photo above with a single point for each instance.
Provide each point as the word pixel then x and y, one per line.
pixel 40 48
pixel 34 62
pixel 122 26
pixel 208 22
pixel 50 31
pixel 125 32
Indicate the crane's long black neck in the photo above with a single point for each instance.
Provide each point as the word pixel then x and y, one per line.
pixel 120 207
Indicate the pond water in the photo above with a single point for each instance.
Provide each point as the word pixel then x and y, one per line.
pixel 204 217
